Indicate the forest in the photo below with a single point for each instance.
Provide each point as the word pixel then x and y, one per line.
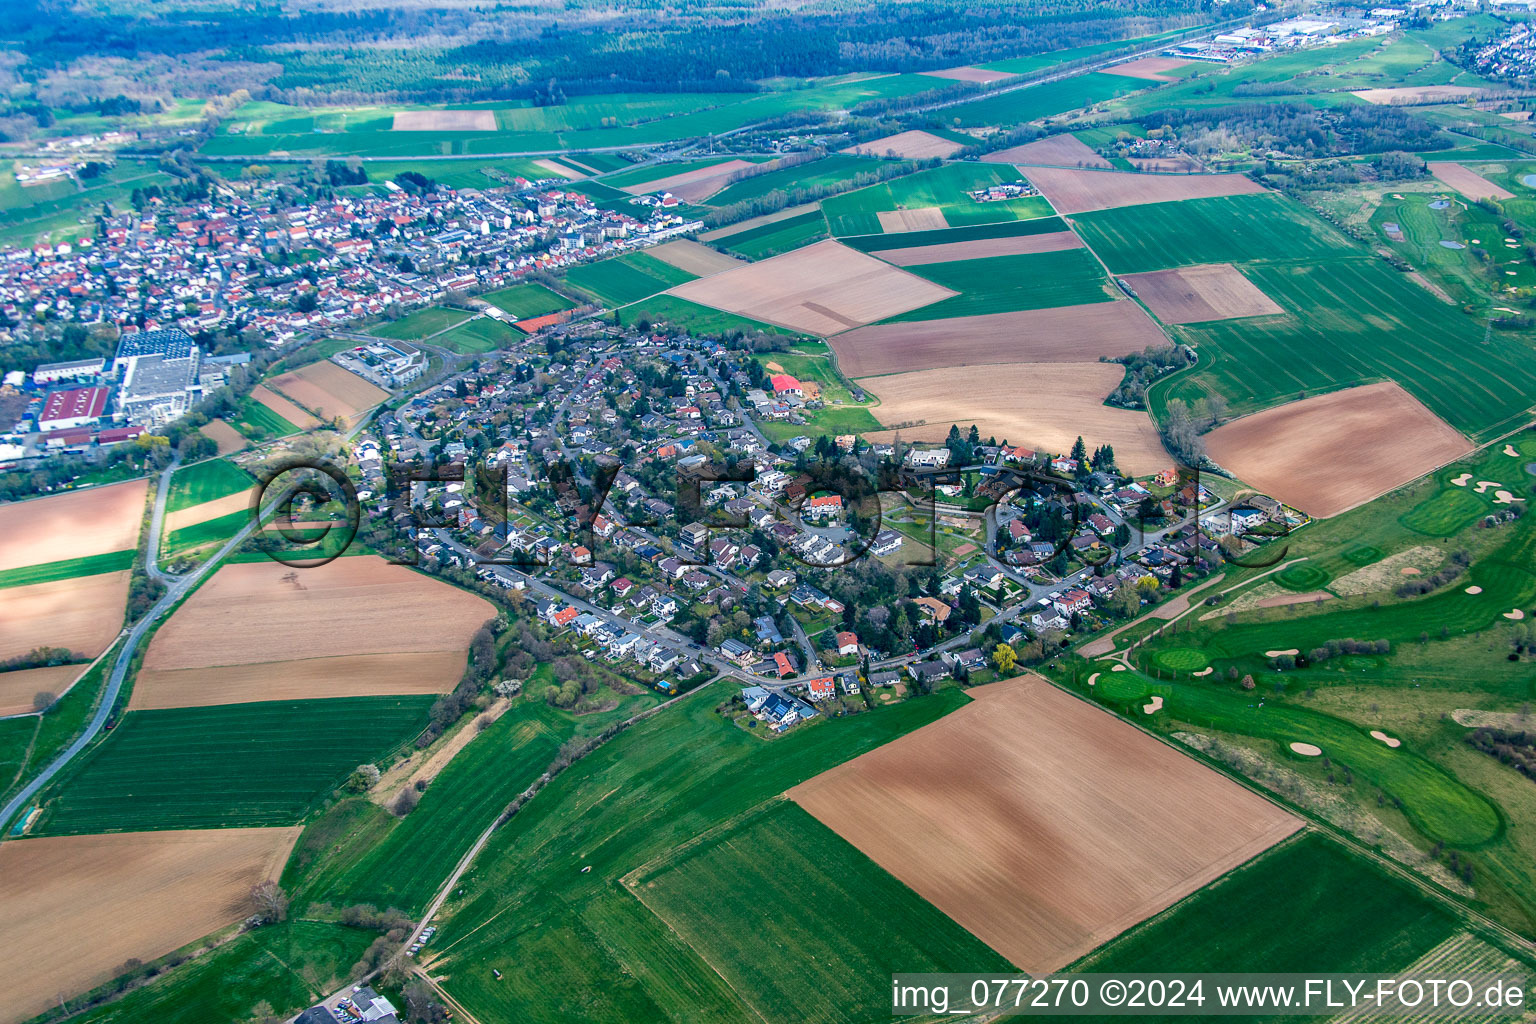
pixel 1295 129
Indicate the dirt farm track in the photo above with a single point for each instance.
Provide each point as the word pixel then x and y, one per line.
pixel 1041 823
pixel 82 905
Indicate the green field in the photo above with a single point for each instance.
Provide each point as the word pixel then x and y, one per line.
pixel 1041 101
pixel 259 423
pixel 210 533
pixel 1227 229
pixel 1355 320
pixel 692 317
pixel 238 764
pixel 1307 905
pixel 421 323
pixel 659 784
pixel 943 236
pixel 287 966
pixel 836 170
pixel 624 279
pixel 59 211
pixel 33 742
pixel 944 187
pixel 205 481
pixel 832 906
pixel 1001 284
pixel 483 334
pixel 67 569
pixel 1485 262
pixel 528 300
pixel 780 236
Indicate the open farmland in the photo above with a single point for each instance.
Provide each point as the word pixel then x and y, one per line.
pixel 1468 182
pixel 821 289
pixel 1054 151
pixel 1307 902
pixel 1153 69
pixel 1415 95
pixel 73 525
pixel 790 861
pixel 693 186
pixel 158 890
pixel 1292 452
pixel 624 279
pixel 444 121
pixel 1078 191
pixel 206 491
pixel 1065 277
pixel 694 258
pixel 225 436
pixel 239 764
pixel 288 414
pixel 1041 101
pixel 913 145
pixel 82 614
pixel 18 688
pixel 1232 229
pixel 1040 823
pixel 1355 321
pixel 772 237
pixel 942 189
pixel 1060 334
pixel 329 390
pixel 1065 400
pixel 980 248
pixel 352 627
pixel 1189 295
pixel 969 74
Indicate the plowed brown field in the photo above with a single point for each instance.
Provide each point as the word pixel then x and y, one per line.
pixel 78 907
pixel 1191 295
pixel 358 675
pixel 94 521
pixel 17 689
pixel 1074 191
pixel 329 390
pixel 1042 824
pixel 225 436
pixel 979 249
pixel 83 614
pixel 913 145
pixel 694 185
pixel 695 258
pixel 1056 151
pixel 820 289
pixel 284 408
pixel 1064 334
pixel 1468 182
pixel 1327 454
pixel 1153 69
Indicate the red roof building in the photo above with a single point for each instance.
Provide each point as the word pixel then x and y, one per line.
pixel 75 407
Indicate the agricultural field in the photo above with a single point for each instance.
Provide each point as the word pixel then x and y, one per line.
pixel 789 861
pixel 1063 150
pixel 939 195
pixel 693 257
pixel 528 300
pixel 775 237
pixel 1067 400
pixel 1188 295
pixel 821 289
pixel 225 436
pixel 205 482
pixel 1004 284
pixel 1306 902
pixel 663 782
pixel 1082 191
pixel 837 170
pixel 329 390
pixel 965 829
pixel 913 145
pixel 691 186
pixel 420 324
pixel 354 627
pixel 691 317
pixel 219 767
pixel 81 614
pixel 624 279
pixel 19 686
pixel 1059 334
pixel 64 210
pixel 981 248
pixel 1293 451
pixel 1042 101
pixel 161 890
pixel 268 414
pixel 79 524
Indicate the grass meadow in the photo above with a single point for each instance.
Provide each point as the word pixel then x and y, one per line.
pixel 259 423
pixel 838 169
pixel 944 187
pixel 692 317
pixel 1042 101
pixel 781 236
pixel 528 300
pixel 67 569
pixel 205 481
pixel 660 784
pixel 420 323
pixel 1001 284
pixel 232 765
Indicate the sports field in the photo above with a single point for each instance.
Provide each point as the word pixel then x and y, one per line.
pixel 78 524
pixel 419 323
pixel 159 891
pixel 1307 902
pixel 624 279
pixel 235 765
pixel 942 189
pixel 482 334
pixel 1002 284
pixel 530 299
pixel 789 862
pixel 1040 823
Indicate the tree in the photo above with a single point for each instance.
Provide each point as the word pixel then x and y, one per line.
pixel 269 903
pixel 1004 657
pixel 1079 450
pixel 364 778
pixel 42 700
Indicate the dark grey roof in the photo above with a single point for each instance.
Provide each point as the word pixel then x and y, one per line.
pixel 171 343
pixel 316 1015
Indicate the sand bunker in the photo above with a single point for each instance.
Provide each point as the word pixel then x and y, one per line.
pixel 1483 486
pixel 1205 672
pixel 1504 498
pixel 1281 654
pixel 1391 741
pixel 1509 449
pixel 1093 679
pixel 1514 615
pixel 1474 590
pixel 1307 749
pixel 1461 481
pixel 1153 706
